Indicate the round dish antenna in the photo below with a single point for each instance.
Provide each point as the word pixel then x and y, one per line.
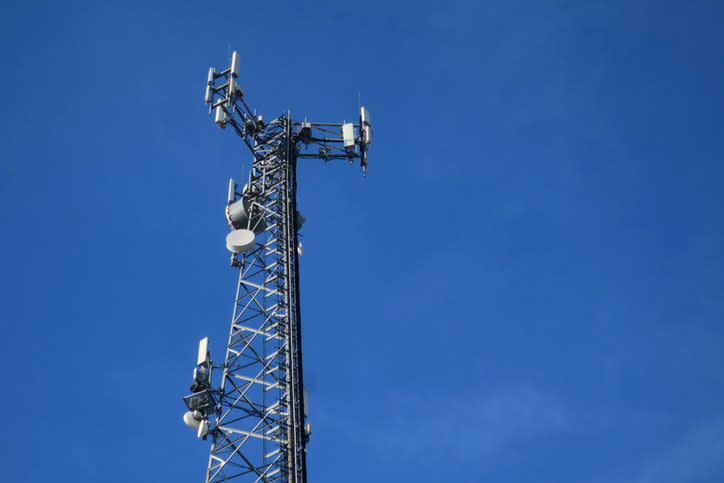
pixel 240 241
pixel 193 419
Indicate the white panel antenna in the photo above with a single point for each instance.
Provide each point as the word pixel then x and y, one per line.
pixel 203 350
pixel 365 116
pixel 235 61
pixel 220 118
pixel 203 428
pixel 365 125
pixel 232 191
pixel 232 87
pixel 210 86
pixel 348 136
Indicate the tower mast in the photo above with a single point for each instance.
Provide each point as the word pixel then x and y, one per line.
pixel 256 416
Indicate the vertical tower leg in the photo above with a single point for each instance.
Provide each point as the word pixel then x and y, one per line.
pixel 259 428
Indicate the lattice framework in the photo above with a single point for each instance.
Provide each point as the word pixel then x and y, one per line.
pixel 256 415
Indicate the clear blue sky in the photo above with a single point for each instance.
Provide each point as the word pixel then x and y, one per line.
pixel 527 287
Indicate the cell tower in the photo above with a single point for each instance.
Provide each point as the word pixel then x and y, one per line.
pixel 256 414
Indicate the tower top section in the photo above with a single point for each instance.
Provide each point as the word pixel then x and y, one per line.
pixel 326 141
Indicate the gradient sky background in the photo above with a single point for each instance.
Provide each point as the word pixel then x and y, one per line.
pixel 527 287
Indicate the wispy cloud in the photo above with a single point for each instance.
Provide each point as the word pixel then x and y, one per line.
pixel 698 455
pixel 468 426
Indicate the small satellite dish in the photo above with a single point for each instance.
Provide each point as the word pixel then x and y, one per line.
pixel 300 221
pixel 238 213
pixel 239 241
pixel 191 420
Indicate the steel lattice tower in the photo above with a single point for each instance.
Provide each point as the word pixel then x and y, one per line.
pixel 256 415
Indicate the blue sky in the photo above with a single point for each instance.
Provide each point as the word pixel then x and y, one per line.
pixel 526 287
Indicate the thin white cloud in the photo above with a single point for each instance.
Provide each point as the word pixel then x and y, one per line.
pixel 699 455
pixel 467 427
